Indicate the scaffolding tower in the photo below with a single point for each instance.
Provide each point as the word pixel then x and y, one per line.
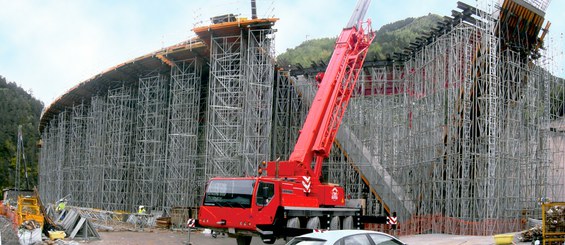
pixel 259 80
pixel 185 170
pixel 240 103
pixel 95 144
pixel 150 141
pixel 119 145
pixel 77 155
pixel 225 107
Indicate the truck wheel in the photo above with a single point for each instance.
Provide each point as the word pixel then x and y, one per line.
pixel 243 240
pixel 313 223
pixel 335 223
pixel 348 223
pixel 292 223
pixel 268 239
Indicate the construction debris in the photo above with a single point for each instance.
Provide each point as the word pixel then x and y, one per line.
pixel 54 235
pixel 112 221
pixel 29 232
pixel 530 234
pixel 555 219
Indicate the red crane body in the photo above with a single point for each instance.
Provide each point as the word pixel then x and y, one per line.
pixel 292 191
pixel 325 115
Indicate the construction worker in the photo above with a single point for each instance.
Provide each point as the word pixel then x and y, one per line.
pixel 141 210
pixel 61 204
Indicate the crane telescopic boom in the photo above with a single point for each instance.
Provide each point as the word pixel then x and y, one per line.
pixel 326 113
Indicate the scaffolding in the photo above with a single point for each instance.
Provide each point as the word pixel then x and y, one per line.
pixel 462 137
pixel 95 143
pixel 150 138
pixel 185 170
pixel 119 145
pixel 240 103
pixel 225 107
pixel 77 157
pixel 259 80
pixel 464 134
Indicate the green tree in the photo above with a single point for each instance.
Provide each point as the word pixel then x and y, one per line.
pixel 18 107
pixel 390 38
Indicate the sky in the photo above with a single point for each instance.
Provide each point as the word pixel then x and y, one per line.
pixel 49 46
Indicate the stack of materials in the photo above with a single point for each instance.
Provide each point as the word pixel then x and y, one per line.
pixel 76 226
pixel 553 226
pixel 164 222
pixel 555 219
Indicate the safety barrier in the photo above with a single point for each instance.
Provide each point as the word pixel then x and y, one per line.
pixel 422 224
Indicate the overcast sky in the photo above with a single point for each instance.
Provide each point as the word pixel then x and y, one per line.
pixel 49 46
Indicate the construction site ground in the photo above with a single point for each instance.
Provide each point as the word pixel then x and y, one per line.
pixel 158 236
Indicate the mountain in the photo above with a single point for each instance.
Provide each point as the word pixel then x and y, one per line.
pixel 18 107
pixel 390 38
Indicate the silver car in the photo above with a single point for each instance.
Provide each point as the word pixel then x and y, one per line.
pixel 345 237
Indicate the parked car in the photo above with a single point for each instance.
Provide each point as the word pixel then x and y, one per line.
pixel 345 237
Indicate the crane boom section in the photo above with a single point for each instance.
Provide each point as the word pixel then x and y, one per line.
pixel 325 115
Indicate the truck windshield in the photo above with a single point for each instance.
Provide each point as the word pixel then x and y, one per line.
pixel 229 193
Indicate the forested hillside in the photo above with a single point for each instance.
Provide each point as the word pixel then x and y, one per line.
pixel 17 107
pixel 390 38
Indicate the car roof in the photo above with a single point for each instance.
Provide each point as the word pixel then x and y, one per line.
pixel 334 235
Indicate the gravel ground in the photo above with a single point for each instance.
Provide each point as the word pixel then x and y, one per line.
pixel 163 237
pixel 9 236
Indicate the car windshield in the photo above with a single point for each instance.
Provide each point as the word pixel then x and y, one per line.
pixel 229 193
pixel 306 241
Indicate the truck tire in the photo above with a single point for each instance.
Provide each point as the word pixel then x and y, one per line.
pixel 335 223
pixel 313 223
pixel 268 239
pixel 243 240
pixel 292 223
pixel 348 223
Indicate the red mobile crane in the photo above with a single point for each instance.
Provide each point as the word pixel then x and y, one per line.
pixel 291 199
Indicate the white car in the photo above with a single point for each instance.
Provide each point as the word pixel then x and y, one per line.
pixel 345 237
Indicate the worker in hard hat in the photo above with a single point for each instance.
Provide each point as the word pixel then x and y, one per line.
pixel 141 210
pixel 61 204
